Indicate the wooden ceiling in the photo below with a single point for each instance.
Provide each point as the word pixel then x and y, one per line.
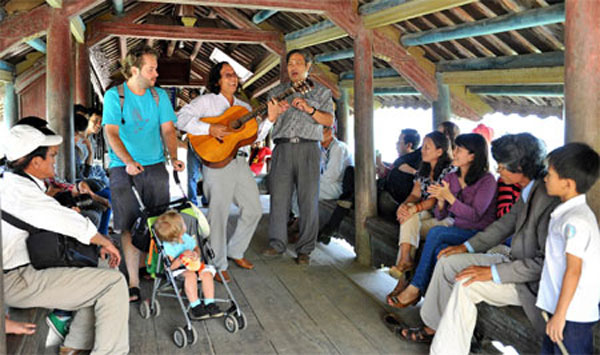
pixel 228 25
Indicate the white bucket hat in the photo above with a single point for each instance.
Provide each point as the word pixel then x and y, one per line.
pixel 24 139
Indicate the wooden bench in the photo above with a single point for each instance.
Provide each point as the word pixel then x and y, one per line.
pixel 28 344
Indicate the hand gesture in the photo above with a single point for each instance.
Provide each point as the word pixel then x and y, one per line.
pixel 84 188
pixel 441 191
pixel 134 168
pixel 475 273
pixel 109 250
pixel 456 249
pixel 276 108
pixel 218 131
pixel 555 327
pixel 178 165
pixel 301 104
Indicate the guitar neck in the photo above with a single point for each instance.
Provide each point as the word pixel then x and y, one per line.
pixel 261 110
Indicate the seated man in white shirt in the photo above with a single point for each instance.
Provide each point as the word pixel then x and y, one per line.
pixel 98 295
pixel 335 158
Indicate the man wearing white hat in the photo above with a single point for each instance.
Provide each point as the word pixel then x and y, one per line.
pixel 98 295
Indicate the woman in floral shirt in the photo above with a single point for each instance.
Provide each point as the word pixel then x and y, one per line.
pixel 414 214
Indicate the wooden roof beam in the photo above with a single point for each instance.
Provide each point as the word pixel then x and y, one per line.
pixel 549 75
pixel 504 23
pixel 123 46
pixel 383 82
pixel 266 88
pixel 265 66
pixel 196 50
pixel 550 59
pixel 185 33
pixel 278 5
pixel 118 6
pixel 263 15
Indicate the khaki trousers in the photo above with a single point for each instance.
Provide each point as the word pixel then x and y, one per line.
pixel 99 296
pixel 450 307
pixel 416 228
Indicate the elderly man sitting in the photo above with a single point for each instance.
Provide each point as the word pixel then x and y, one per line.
pixel 98 295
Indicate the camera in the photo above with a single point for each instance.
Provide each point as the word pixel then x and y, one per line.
pixel 81 201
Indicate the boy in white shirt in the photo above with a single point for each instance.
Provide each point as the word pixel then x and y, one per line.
pixel 570 288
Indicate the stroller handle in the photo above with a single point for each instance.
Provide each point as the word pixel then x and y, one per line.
pixel 176 177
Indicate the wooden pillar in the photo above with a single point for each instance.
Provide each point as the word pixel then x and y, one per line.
pixel 82 75
pixel 441 107
pixel 582 79
pixel 11 114
pixel 59 97
pixel 364 188
pixel 283 72
pixel 342 112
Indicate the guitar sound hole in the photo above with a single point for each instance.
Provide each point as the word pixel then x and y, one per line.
pixel 236 124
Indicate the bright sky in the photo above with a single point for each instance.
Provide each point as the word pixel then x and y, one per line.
pixel 389 122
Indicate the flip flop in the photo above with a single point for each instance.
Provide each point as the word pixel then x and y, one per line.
pixel 135 292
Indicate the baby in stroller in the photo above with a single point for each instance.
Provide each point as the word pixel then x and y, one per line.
pixel 183 252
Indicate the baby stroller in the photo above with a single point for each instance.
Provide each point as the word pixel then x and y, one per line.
pixel 166 283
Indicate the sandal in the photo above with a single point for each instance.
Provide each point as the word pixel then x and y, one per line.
pixel 400 286
pixel 397 271
pixel 134 295
pixel 415 335
pixel 395 302
pixel 393 322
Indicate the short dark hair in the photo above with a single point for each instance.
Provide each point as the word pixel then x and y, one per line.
pixel 79 108
pixel 135 58
pixel 451 130
pixel 521 153
pixel 476 144
pixel 214 76
pixel 80 123
pixel 194 91
pixel 578 162
pixel 308 58
pixel 440 141
pixel 95 111
pixel 36 122
pixel 411 136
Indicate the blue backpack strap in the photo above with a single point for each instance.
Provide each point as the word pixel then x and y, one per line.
pixel 121 91
pixel 154 95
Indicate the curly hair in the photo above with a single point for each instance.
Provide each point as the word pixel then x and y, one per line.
pixel 214 76
pixel 135 58
pixel 521 153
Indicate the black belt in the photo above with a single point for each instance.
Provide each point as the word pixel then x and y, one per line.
pixel 293 140
pixel 15 268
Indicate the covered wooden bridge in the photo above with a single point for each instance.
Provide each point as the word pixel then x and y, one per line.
pixel 463 58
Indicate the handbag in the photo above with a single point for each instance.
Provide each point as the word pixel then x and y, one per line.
pixel 50 249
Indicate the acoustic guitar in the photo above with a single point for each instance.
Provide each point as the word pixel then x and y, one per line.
pixel 217 153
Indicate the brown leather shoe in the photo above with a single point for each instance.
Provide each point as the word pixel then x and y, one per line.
pixel 63 350
pixel 226 277
pixel 303 259
pixel 270 251
pixel 244 263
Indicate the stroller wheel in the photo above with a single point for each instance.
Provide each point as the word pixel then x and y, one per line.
pixel 179 337
pixel 155 309
pixel 192 336
pixel 144 309
pixel 242 321
pixel 231 323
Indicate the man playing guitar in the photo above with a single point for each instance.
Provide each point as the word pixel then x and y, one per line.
pixel 233 182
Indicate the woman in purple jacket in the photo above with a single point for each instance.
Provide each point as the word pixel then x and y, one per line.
pixel 466 195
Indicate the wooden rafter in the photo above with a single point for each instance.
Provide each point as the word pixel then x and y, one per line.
pixel 196 50
pixel 279 5
pixel 123 46
pixel 186 33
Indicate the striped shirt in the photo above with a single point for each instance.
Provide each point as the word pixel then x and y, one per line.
pixel 507 197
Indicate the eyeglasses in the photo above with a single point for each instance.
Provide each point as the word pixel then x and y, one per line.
pixel 501 168
pixel 230 76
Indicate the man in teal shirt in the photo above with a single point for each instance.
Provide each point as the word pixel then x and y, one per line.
pixel 139 122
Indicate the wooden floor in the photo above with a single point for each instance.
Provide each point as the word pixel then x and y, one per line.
pixel 333 306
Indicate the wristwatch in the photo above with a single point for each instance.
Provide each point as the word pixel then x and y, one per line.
pixel 313 112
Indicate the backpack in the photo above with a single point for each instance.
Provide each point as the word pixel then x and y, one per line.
pixel 121 91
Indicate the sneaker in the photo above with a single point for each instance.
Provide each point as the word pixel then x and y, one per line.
pixel 59 325
pixel 199 312
pixel 214 310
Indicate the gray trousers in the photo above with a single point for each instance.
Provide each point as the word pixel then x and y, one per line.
pixel 295 165
pixel 233 183
pixel 99 296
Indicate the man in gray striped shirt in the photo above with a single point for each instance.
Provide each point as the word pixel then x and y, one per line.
pixel 296 158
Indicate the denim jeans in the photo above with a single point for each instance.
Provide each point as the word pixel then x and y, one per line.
pixel 578 338
pixel 105 219
pixel 438 238
pixel 194 166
